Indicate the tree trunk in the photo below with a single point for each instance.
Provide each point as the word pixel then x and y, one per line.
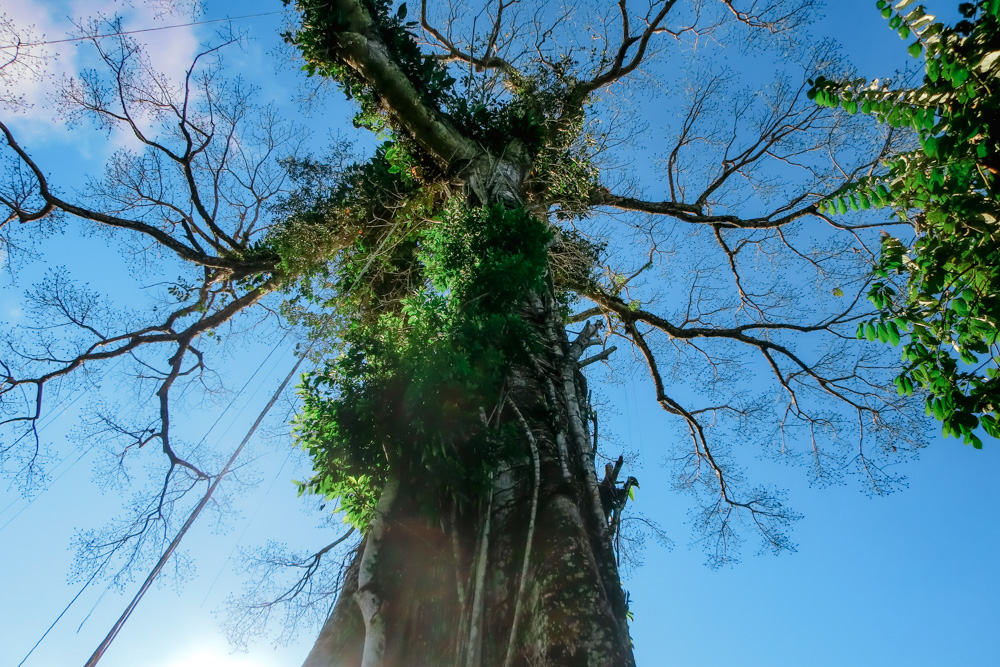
pixel 530 577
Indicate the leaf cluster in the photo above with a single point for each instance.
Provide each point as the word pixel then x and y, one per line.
pixel 410 391
pixel 950 304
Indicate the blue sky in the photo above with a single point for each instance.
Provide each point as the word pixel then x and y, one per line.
pixel 905 579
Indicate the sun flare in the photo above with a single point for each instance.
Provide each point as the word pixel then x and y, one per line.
pixel 207 657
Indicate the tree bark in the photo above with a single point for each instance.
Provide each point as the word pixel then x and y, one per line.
pixel 537 549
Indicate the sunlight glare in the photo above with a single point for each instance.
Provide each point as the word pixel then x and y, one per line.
pixel 207 657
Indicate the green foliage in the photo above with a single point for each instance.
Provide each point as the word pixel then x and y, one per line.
pixel 494 125
pixel 488 258
pixel 318 40
pixel 532 109
pixel 534 112
pixel 381 203
pixel 427 294
pixel 573 259
pixel 410 389
pixel 949 307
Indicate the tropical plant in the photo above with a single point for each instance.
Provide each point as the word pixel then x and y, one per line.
pixel 946 313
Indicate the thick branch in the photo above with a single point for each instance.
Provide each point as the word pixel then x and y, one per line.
pixel 52 203
pixel 696 214
pixel 360 47
pixel 619 68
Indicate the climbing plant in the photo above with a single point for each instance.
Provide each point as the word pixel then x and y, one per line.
pixel 410 387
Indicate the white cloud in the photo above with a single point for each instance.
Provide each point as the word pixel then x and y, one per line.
pixel 38 121
pixel 10 311
pixel 33 22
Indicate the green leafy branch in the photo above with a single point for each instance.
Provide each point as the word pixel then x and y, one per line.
pixel 947 315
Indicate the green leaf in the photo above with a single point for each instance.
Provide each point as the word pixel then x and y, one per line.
pixel 915 50
pixel 838 292
pixel 893 333
pixel 990 425
pixel 930 145
pixel 928 119
pixel 933 68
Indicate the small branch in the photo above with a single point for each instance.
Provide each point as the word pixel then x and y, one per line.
pixel 598 357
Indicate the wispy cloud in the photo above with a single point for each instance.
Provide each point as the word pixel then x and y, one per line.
pixel 37 119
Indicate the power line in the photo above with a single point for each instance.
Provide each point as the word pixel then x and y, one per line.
pixel 49 486
pixel 246 528
pixel 63 613
pixel 222 414
pixel 50 417
pixel 86 451
pixel 99 652
pixel 140 30
pixel 44 423
pixel 238 395
pixel 113 633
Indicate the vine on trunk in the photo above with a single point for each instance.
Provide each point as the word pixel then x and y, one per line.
pixel 411 388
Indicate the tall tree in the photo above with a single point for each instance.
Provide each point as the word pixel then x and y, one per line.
pixel 457 281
